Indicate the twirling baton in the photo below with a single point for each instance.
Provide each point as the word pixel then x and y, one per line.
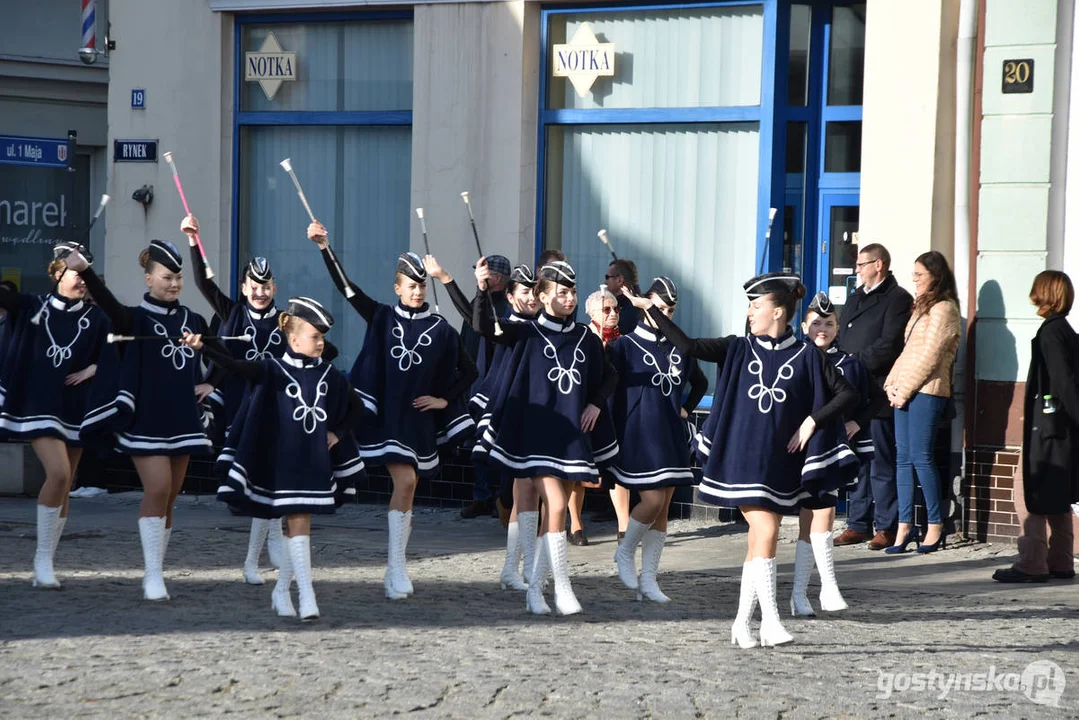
pixel 349 292
pixel 476 235
pixel 183 199
pixel 114 338
pixel 36 320
pixel 607 241
pixel 767 236
pixel 427 250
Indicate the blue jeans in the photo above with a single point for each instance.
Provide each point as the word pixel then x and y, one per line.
pixel 915 431
pixel 872 501
pixel 481 488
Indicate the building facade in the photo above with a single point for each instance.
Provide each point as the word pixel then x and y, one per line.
pixel 712 140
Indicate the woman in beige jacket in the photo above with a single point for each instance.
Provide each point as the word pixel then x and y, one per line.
pixel 918 387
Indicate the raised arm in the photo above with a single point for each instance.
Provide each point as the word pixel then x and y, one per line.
pixel 698 386
pixel 709 350
pixel 123 320
pixel 364 305
pixel 216 351
pixel 221 303
pixel 483 320
pixel 457 297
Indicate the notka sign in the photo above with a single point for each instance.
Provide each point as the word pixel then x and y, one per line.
pixel 270 66
pixel 583 59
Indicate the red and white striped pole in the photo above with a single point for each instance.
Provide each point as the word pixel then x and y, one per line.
pixel 89 32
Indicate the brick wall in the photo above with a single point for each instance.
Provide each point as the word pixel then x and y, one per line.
pixel 990 515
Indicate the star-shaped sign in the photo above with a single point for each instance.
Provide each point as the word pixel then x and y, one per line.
pixel 583 59
pixel 270 66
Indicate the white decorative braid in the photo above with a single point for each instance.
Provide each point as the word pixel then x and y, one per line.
pixel 309 415
pixel 564 378
pixel 254 353
pixel 765 395
pixel 667 380
pixel 176 351
pixel 407 357
pixel 59 354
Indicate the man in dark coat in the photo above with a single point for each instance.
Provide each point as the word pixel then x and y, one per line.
pixel 871 327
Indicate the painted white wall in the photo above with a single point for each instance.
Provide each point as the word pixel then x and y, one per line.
pixel 908 121
pixel 476 88
pixel 181 54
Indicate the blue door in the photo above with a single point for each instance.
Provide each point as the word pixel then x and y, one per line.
pixel 838 223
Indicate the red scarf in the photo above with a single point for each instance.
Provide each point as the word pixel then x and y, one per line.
pixel 608 334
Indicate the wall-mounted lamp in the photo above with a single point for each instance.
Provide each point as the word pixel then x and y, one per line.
pixel 89 55
pixel 144 195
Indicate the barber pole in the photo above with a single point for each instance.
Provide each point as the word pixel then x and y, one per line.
pixel 89 37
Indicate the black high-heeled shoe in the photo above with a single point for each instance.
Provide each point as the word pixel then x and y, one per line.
pixel 940 543
pixel 912 536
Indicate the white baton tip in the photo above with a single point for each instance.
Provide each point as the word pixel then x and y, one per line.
pixel 465 195
pixel 168 157
pixel 111 338
pixel 602 234
pixel 287 164
pixel 105 200
pixel 419 213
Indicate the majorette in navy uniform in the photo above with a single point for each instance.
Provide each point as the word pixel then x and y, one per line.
pixel 290 452
pixel 255 316
pixel 773 440
pixel 51 353
pixel 412 374
pixel 518 494
pixel 548 418
pixel 144 398
pixel 658 386
pixel 815 523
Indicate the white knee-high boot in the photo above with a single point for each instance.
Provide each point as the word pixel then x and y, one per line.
pixel 741 633
pixel 528 525
pixel 764 577
pixel 565 602
pixel 626 554
pixel 396 582
pixel 534 601
pixel 510 577
pixel 275 543
pixel 49 527
pixel 299 549
pixel 651 551
pixel 803 569
pixel 281 599
pixel 260 530
pixel 152 534
pixel 831 600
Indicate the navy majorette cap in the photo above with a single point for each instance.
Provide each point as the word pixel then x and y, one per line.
pixel 65 247
pixel 312 311
pixel 523 275
pixel 559 272
pixel 822 305
pixel 165 253
pixel 770 283
pixel 665 289
pixel 259 270
pixel 411 266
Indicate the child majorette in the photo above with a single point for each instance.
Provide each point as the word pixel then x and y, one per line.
pixel 411 373
pixel 773 441
pixel 146 401
pixel 523 520
pixel 52 353
pixel 254 316
pixel 290 452
pixel 815 523
pixel 650 409
pixel 546 419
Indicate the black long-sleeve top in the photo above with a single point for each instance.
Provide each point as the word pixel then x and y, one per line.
pixel 844 398
pixel 366 307
pixel 483 320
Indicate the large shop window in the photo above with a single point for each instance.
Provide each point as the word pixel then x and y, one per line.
pixel 665 154
pixel 679 200
pixel 345 122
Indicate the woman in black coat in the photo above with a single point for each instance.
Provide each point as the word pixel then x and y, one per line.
pixel 1050 467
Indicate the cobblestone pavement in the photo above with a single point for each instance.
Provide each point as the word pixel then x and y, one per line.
pixel 463 648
